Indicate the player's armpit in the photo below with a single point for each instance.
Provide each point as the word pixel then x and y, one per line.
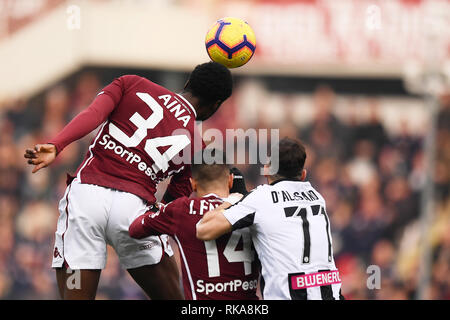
pixel 214 224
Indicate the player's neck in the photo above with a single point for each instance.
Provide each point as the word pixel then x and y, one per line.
pixel 220 192
pixel 191 99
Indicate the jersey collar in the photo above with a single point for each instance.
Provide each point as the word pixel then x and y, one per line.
pixel 210 194
pixel 189 104
pixel 285 179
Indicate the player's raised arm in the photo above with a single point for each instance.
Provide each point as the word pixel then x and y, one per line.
pixel 44 154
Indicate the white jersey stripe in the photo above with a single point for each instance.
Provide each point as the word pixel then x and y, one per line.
pixel 88 160
pixel 189 104
pixel 188 271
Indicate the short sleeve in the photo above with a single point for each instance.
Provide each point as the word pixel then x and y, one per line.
pixel 242 214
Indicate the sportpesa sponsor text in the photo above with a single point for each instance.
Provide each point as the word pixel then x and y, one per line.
pixel 108 143
pixel 230 286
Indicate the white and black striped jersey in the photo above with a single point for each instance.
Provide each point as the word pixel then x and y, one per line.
pixel 291 234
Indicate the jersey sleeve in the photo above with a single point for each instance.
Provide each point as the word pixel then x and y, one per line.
pixel 164 221
pixel 115 89
pixel 179 186
pixel 95 114
pixel 242 214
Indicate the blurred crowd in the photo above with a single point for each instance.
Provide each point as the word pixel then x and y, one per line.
pixel 370 178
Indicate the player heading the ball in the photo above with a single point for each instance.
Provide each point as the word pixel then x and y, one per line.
pixel 132 152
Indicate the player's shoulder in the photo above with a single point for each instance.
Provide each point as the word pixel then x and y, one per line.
pixel 132 79
pixel 297 187
pixel 133 83
pixel 176 204
pixel 256 195
pixel 262 188
pixel 209 198
pixel 295 183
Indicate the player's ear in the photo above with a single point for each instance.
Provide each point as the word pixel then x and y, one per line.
pixel 230 181
pixel 216 106
pixel 186 84
pixel 266 170
pixel 208 110
pixel 303 175
pixel 193 184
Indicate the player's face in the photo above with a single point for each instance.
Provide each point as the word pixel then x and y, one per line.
pixel 193 184
pixel 266 172
pixel 230 181
pixel 303 175
pixel 206 112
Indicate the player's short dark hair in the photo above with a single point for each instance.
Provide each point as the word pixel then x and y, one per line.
pixel 292 157
pixel 210 82
pixel 210 169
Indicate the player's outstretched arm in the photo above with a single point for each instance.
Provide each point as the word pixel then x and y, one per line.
pixel 214 224
pixel 44 154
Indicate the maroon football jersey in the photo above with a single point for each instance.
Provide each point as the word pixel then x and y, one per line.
pixel 146 138
pixel 225 268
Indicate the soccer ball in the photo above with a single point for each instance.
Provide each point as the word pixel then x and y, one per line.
pixel 231 42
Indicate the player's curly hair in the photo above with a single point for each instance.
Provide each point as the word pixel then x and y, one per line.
pixel 210 82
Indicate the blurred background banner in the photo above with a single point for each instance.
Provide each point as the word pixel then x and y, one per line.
pixel 346 37
pixel 306 37
pixel 364 84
